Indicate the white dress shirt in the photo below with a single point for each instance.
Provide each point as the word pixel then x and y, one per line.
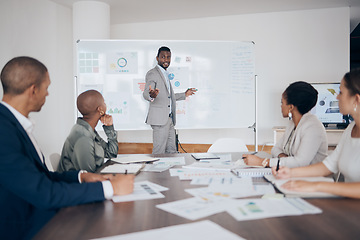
pixel 166 76
pixel 346 157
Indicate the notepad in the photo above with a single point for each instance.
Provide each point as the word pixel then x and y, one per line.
pixel 123 168
pixel 199 156
pixel 288 193
pixel 134 159
pixel 251 172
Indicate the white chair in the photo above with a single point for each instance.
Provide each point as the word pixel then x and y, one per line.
pixel 228 145
pixel 54 160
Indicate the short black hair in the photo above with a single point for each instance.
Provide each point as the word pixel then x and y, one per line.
pixel 302 95
pixel 352 81
pixel 20 73
pixel 163 48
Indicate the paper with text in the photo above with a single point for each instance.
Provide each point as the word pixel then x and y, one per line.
pixel 198 230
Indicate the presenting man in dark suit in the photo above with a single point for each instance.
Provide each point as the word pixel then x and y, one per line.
pixel 30 194
pixel 162 109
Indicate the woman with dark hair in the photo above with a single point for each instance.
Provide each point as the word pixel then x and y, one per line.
pixel 304 141
pixel 346 156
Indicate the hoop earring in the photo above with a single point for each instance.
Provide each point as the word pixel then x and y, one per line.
pixel 290 115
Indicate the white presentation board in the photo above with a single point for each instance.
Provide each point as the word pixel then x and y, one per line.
pixel 222 71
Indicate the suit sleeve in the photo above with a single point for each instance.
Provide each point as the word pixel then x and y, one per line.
pixel 22 174
pixel 110 147
pixel 67 176
pixel 150 80
pixel 180 96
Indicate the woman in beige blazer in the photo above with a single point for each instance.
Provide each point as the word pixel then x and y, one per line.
pixel 304 141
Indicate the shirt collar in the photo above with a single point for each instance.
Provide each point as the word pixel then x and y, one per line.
pixel 80 121
pixel 25 122
pixel 162 69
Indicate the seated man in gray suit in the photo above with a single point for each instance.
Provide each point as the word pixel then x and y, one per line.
pixel 162 109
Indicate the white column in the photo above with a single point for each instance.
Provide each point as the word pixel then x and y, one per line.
pixel 91 20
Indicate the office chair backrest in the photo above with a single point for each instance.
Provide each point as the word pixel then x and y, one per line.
pixel 54 160
pixel 228 145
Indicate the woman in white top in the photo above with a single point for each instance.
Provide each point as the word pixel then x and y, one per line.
pixel 304 141
pixel 345 158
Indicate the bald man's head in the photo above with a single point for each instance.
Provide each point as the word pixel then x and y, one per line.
pixel 88 102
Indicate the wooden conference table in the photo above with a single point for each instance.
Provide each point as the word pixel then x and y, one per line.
pixel 340 218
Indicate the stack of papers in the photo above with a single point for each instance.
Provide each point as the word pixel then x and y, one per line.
pixel 220 183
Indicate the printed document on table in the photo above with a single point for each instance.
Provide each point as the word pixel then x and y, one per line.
pixel 250 209
pixel 195 208
pixel 205 192
pixel 188 174
pixel 156 167
pixel 237 188
pixel 171 161
pixel 142 191
pixel 211 179
pixel 240 187
pixel 216 166
pixel 206 230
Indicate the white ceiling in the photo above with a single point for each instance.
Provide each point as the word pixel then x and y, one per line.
pixel 132 11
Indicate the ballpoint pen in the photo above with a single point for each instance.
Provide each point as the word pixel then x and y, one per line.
pixel 278 164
